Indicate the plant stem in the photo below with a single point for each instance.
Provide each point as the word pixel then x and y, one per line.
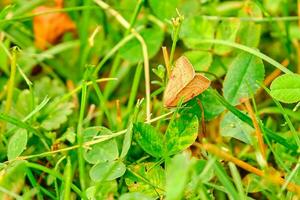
pixel 103 105
pixel 141 40
pixel 55 174
pixel 222 154
pixel 167 61
pixel 259 135
pixel 81 161
pixel 176 29
pixel 10 87
pixel 68 179
pixel 249 50
pixel 86 144
pixel 287 119
pixel 134 88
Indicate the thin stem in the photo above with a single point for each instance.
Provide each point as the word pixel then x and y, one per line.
pixel 126 25
pixel 274 178
pixel 298 49
pixel 86 144
pixel 68 179
pixel 102 101
pixel 176 29
pixel 55 174
pixel 112 51
pixel 11 85
pixel 81 161
pixel 259 135
pixel 287 119
pixel 251 51
pixel 134 88
pixel 167 61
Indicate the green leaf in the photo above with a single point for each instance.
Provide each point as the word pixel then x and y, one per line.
pixel 177 176
pixel 147 177
pixel 23 103
pixel 225 180
pixel 286 88
pixel 181 133
pixel 107 171
pixel 249 33
pixel 17 144
pixel 232 126
pixel 194 29
pixel 150 139
pixel 57 115
pixel 164 9
pixel 13 178
pixel 135 196
pixel 227 30
pixel 103 192
pixel 201 60
pixel 101 152
pixel 242 77
pixel 48 87
pixel 132 51
pixel 212 107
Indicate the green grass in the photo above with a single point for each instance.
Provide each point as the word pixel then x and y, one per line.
pixel 84 118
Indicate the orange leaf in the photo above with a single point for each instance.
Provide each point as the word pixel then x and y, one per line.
pixel 49 28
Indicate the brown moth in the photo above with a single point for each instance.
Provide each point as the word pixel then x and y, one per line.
pixel 184 83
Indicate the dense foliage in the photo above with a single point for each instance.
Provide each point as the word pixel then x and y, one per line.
pixel 82 111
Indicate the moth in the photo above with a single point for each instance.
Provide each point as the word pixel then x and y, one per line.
pixel 184 83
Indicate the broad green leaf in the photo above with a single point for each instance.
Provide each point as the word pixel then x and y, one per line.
pixel 132 51
pixel 194 29
pixel 164 9
pixel 286 88
pixel 48 87
pixel 227 30
pixel 57 115
pixel 150 139
pixel 273 6
pixel 23 103
pixel 135 196
pixel 242 77
pixel 177 176
pixel 211 106
pixel 101 152
pixel 107 171
pixel 152 173
pixel 103 192
pixel 181 133
pixel 17 144
pixel 232 126
pixel 201 60
pixel 249 33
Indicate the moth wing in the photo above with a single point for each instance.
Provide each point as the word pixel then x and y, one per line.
pixel 182 74
pixel 198 85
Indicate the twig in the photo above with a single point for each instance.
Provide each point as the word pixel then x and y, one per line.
pixel 259 135
pixel 86 144
pixel 167 61
pixel 126 25
pixel 226 156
